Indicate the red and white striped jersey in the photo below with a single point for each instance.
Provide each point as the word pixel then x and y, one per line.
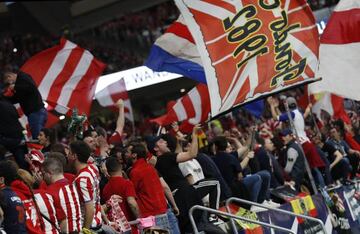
pixel 67 204
pixel 45 203
pixel 87 184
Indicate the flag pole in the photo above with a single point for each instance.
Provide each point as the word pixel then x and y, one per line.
pixel 307 167
pixel 313 117
pixel 159 131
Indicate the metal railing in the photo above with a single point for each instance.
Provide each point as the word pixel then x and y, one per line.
pixel 232 199
pixel 231 216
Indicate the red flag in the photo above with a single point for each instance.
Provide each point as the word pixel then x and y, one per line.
pixel 66 76
pixel 250 49
pixel 191 109
pixel 332 104
pixel 108 97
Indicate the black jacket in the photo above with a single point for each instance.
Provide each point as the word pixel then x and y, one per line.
pixel 9 123
pixel 27 94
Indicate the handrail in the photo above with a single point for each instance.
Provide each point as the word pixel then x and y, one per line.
pixel 228 201
pixel 197 207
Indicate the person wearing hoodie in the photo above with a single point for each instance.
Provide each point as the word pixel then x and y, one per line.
pixel 33 217
pixel 10 203
pixel 44 204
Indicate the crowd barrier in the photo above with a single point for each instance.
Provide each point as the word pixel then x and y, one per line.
pixel 333 211
pixel 338 209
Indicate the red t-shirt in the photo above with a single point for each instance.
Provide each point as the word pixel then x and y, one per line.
pixel 312 155
pixel 149 191
pixel 67 203
pixel 122 187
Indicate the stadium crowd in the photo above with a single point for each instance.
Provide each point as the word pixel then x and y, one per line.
pixel 97 180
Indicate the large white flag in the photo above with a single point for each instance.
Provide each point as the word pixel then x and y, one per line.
pixel 340 52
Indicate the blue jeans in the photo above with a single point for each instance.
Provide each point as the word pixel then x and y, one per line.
pixel 174 226
pixel 264 193
pixel 319 180
pixel 37 121
pixel 253 185
pixel 162 221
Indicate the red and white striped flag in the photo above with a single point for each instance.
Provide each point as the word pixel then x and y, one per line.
pixel 251 49
pixel 66 76
pixel 193 108
pixel 108 97
pixel 332 104
pixel 340 52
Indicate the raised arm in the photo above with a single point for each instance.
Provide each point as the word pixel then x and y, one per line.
pixel 274 107
pixel 193 151
pixel 120 122
pixel 307 111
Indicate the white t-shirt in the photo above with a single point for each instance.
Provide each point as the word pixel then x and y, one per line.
pixel 192 167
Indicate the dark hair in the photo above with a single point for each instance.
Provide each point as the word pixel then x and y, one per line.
pixel 59 156
pixel 292 106
pixel 81 149
pixel 220 143
pixel 59 148
pixel 171 141
pixel 101 131
pixel 46 131
pixel 53 165
pixel 340 126
pixel 139 150
pixel 8 171
pixel 116 149
pixel 112 165
pixel 88 133
pixel 48 134
pixel 7 71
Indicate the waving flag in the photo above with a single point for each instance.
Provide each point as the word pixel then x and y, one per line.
pixel 256 108
pixel 193 108
pixel 250 48
pixel 176 52
pixel 332 104
pixel 340 52
pixel 66 76
pixel 109 96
